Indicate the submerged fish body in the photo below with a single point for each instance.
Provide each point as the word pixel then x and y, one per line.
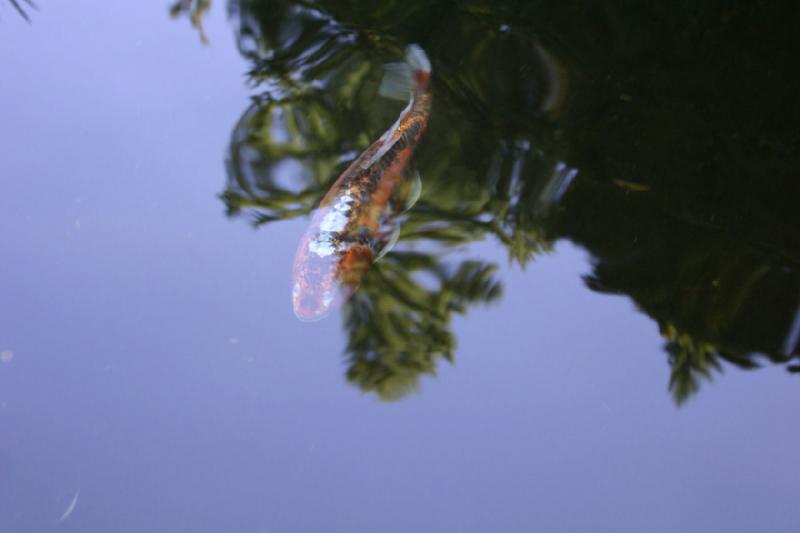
pixel 358 216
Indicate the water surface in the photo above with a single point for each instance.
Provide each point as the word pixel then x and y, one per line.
pixel 590 322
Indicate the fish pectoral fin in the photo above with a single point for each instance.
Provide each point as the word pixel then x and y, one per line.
pixel 393 238
pixel 414 190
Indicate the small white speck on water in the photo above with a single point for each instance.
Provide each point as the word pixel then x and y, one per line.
pixel 71 507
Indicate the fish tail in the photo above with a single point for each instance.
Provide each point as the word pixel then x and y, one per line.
pixel 420 66
pixel 400 80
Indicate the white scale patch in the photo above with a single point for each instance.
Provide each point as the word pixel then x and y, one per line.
pixel 336 218
pixel 322 246
pixel 333 221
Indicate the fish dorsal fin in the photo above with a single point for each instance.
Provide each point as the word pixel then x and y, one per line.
pixel 396 82
pixel 386 248
pixel 385 147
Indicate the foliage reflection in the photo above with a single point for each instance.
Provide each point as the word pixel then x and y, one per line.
pixel 539 133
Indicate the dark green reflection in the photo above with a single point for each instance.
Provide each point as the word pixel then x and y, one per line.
pixel 399 327
pixel 663 140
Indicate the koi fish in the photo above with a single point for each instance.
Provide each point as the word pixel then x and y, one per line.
pixel 357 220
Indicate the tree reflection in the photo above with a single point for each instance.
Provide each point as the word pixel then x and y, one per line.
pixel 195 10
pixel 536 136
pixel 398 327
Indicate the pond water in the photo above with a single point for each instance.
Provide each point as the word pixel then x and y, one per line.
pixel 590 321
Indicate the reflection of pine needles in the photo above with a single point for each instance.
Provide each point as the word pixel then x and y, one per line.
pixel 690 360
pixel 453 227
pixel 398 322
pixel 196 10
pixel 267 209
